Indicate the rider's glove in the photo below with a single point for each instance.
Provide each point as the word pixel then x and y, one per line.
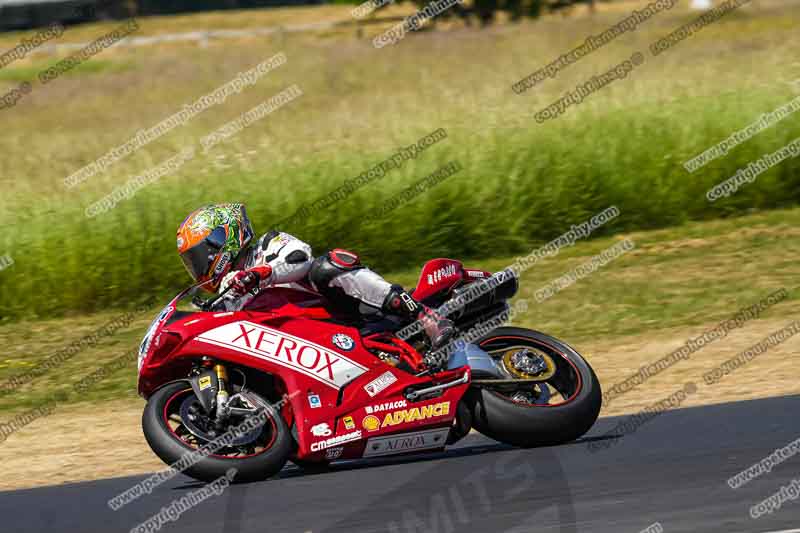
pixel 244 281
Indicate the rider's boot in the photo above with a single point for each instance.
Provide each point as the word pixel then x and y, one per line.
pixel 438 329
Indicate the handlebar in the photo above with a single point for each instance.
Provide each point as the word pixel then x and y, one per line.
pixel 209 305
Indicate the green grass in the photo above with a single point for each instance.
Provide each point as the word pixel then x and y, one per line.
pixel 523 183
pixel 30 72
pixel 698 274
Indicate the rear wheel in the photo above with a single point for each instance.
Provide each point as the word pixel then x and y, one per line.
pixel 175 425
pixel 552 396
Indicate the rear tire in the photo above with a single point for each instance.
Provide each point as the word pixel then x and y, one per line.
pixel 504 420
pixel 169 448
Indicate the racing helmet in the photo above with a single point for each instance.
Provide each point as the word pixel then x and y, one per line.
pixel 211 239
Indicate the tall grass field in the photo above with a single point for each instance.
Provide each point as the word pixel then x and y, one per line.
pixel 521 182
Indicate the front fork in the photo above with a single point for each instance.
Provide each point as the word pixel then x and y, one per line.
pixel 210 385
pixel 222 393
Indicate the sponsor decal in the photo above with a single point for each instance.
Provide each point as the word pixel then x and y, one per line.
pixel 406 442
pixel 223 262
pixel 321 430
pixel 335 441
pixel 204 382
pixel 314 401
pixel 371 423
pixel 380 383
pixel 348 423
pixel 411 305
pixel 441 273
pixel 333 453
pixel 312 360
pixel 345 342
pixel 281 240
pixel 416 413
pixel 180 242
pixel 385 406
pixel 475 274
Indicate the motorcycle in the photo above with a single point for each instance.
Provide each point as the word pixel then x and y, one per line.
pixel 290 379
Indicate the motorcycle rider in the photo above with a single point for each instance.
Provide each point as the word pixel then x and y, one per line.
pixel 214 243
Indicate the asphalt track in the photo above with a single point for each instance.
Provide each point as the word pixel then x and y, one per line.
pixel 672 470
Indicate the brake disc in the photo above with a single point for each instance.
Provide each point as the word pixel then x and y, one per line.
pixel 528 363
pixel 197 422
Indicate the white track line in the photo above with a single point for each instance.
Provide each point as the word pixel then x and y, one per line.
pixel 785 531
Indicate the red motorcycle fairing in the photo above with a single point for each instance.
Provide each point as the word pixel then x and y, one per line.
pixel 339 393
pixel 438 275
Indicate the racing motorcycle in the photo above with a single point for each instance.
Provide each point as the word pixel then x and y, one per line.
pixel 289 379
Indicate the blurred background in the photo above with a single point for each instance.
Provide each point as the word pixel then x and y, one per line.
pixel 522 183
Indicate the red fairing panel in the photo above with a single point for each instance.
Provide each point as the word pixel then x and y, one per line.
pixel 438 275
pixel 344 401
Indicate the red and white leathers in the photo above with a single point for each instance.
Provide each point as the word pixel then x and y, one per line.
pixel 291 261
pixel 279 259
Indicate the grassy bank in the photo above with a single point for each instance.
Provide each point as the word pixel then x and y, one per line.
pixel 522 182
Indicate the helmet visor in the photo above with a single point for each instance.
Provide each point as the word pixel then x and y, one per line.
pixel 199 258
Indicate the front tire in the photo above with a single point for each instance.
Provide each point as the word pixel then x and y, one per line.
pixel 521 424
pixel 166 443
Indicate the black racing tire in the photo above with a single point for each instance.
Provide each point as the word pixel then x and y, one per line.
pixel 518 424
pixel 170 448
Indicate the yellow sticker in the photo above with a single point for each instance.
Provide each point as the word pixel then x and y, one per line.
pixel 348 423
pixel 416 413
pixel 204 382
pixel 371 423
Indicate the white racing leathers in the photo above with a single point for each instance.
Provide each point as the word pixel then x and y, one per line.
pixel 291 260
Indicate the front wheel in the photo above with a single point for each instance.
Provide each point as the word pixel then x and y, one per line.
pixel 552 395
pixel 175 425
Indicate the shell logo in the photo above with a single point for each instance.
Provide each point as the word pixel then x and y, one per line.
pixel 371 423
